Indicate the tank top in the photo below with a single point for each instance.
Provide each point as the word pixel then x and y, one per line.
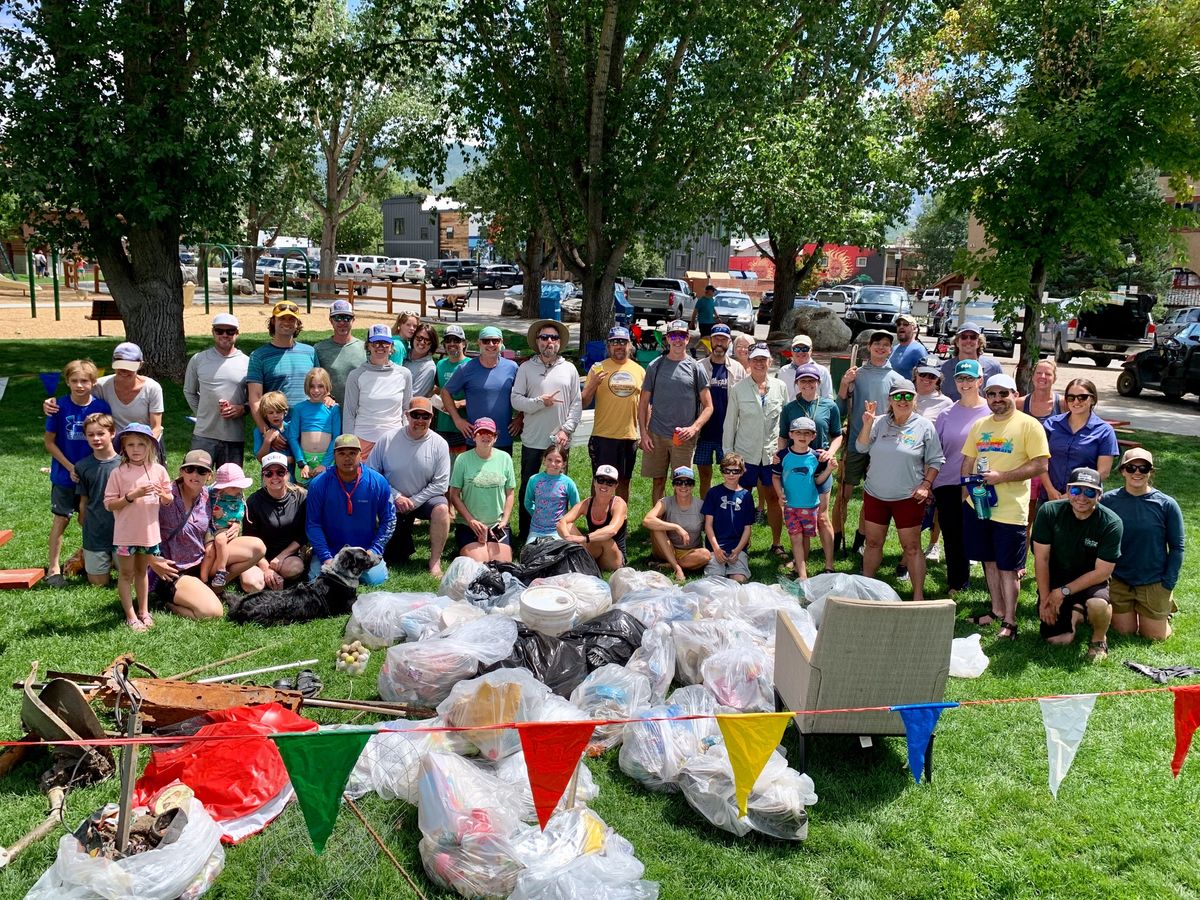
pixel 1025 407
pixel 619 537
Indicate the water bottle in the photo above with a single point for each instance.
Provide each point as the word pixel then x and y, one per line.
pixel 979 490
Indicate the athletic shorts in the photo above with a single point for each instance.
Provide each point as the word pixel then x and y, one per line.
pixel 997 542
pixel 221 451
pixel 854 466
pixel 667 456
pixel 465 535
pixel 312 460
pixel 99 562
pixel 739 566
pixel 1149 601
pixel 706 328
pixel 63 500
pixel 1077 601
pixel 127 550
pixel 908 512
pixel 164 590
pixel 800 522
pixel 708 453
pixel 756 475
pixel 619 453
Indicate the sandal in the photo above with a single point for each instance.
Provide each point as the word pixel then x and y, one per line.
pixel 148 620
pixel 308 684
pixel 1097 651
pixel 779 553
pixel 135 624
pixel 986 618
pixel 1011 628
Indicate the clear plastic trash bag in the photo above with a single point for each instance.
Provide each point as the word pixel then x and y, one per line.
pixel 424 673
pixel 377 619
pixel 611 692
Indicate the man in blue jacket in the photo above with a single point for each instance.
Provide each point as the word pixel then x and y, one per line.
pixel 350 506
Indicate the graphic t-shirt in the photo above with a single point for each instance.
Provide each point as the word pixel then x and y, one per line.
pixel 483 483
pixel 548 497
pixel 1005 446
pixel 67 427
pixel 731 512
pixel 798 471
pixel 718 386
pixel 617 400
pixel 445 368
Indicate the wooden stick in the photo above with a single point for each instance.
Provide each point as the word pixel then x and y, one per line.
pixel 382 846
pixel 213 665
pixel 377 709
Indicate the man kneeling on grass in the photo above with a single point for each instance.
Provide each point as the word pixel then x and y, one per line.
pixel 1076 544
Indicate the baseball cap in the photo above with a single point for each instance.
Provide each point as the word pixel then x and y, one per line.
pixel 677 325
pixel 905 317
pixel 342 441
pixel 803 423
pixel 802 340
pixel 1135 453
pixel 929 367
pixel 720 329
pixel 201 459
pixel 483 423
pixel 760 352
pixel 1085 477
pixel 127 355
pixel 454 331
pixel 969 326
pixel 491 331
pixel 681 472
pixel 274 459
pixel 968 367
pixel 421 403
pixel 618 334
pixel 341 308
pixel 1001 381
pixel 380 333
pixel 285 308
pixel 879 334
pixel 808 370
pixel 226 320
pixel 903 386
pixel 609 472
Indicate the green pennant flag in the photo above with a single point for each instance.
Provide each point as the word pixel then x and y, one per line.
pixel 318 764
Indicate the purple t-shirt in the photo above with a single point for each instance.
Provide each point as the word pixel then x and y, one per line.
pixel 183 529
pixel 952 427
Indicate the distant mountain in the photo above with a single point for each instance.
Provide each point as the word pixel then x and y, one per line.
pixel 457 162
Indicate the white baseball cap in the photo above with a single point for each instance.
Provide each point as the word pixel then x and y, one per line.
pixel 226 320
pixel 608 472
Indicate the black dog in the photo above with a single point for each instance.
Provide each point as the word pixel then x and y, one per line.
pixel 332 594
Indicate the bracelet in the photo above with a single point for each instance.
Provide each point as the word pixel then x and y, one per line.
pixel 128 502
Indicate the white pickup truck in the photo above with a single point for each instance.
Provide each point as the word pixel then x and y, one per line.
pixel 662 299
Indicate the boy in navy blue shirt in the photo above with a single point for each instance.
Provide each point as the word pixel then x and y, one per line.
pixel 728 514
pixel 67 444
pixel 796 477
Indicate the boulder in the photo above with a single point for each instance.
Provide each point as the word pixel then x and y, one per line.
pixel 829 333
pixel 511 307
pixel 243 286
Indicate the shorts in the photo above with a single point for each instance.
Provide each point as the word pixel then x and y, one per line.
pixel 708 453
pixel 801 522
pixel 754 474
pixel 312 460
pixel 908 512
pixel 63 500
pixel 706 328
pixel 997 542
pixel 99 562
pixel 667 456
pixel 854 467
pixel 739 566
pixel 1149 601
pixel 455 439
pixel 1077 601
pixel 620 453
pixel 211 535
pixel 424 511
pixel 164 590
pixel 464 535
pixel 127 550
pixel 221 451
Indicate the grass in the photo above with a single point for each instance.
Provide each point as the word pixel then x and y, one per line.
pixel 986 826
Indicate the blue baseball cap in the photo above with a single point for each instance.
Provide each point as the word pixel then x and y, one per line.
pixel 618 334
pixel 721 329
pixel 380 334
pixel 969 326
pixel 968 367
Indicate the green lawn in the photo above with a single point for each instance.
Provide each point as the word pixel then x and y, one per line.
pixel 987 826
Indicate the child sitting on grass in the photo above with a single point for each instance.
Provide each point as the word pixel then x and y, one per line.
pixel 65 442
pixel 728 515
pixel 228 509
pixel 796 478
pixel 274 409
pixel 94 519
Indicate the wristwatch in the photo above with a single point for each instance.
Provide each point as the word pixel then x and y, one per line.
pixel 1065 591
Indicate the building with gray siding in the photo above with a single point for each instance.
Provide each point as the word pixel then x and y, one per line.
pixel 409 230
pixel 707 251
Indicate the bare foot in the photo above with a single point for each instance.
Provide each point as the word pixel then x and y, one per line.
pixel 436 571
pixel 679 576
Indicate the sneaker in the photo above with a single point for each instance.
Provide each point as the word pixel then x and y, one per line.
pixel 56 580
pixel 902 573
pixel 220 579
pixel 934 554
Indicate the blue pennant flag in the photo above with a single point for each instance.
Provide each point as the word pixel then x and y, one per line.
pixel 919 721
pixel 50 381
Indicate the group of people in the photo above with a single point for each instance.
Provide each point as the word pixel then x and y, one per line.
pixel 358 440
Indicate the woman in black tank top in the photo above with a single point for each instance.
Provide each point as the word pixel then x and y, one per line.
pixel 604 515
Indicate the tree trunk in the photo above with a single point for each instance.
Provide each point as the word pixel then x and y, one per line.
pixel 596 316
pixel 250 254
pixel 329 227
pixel 533 264
pixel 147 285
pixel 1031 345
pixel 786 248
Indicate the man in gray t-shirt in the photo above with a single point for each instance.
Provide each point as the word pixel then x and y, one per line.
pixel 214 386
pixel 342 353
pixel 674 404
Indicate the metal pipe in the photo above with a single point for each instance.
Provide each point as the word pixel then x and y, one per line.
pixel 293 665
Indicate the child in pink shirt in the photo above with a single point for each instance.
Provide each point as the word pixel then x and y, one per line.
pixel 133 495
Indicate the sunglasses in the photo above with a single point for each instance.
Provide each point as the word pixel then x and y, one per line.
pixel 677 336
pixel 1077 398
pixel 489 340
pixel 194 470
pixel 274 473
pixel 1142 468
pixel 453 340
pixel 997 395
pixel 225 332
pixel 422 340
pixel 966 377
pixel 725 471
pixel 683 482
pixel 342 319
pixel 606 481
pixel 800 348
pixel 906 397
pixel 420 416
pixel 549 337
pixel 926 375
pixel 621 341
pixel 1090 493
pixel 967 336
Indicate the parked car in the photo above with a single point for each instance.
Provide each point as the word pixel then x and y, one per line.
pixel 876 306
pixel 396 269
pixel 295 272
pixel 662 299
pixel 1171 366
pixel 572 306
pixel 415 273
pixel 735 309
pixel 187 258
pixel 237 271
pixel 450 272
pixel 345 270
pixel 1107 332
pixel 766 306
pixel 981 309
pixel 836 299
pixel 371 265
pixel 1176 321
pixel 499 275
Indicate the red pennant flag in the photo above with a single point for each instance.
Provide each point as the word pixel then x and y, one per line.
pixel 552 751
pixel 1187 720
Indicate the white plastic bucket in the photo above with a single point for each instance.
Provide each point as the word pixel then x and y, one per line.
pixel 549 610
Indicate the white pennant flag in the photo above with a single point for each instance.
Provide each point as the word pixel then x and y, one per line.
pixel 1066 720
pixel 3 387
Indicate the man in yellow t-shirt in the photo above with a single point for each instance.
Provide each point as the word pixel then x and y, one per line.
pixel 1009 448
pixel 616 386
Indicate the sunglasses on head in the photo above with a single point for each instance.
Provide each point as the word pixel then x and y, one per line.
pixel 1090 493
pixel 225 332
pixel 341 318
pixel 286 308
pixel 605 480
pixel 420 416
pixel 683 482
pixel 1140 468
pixel 274 473
pixel 997 395
pixel 1077 398
pixel 906 397
pixel 193 470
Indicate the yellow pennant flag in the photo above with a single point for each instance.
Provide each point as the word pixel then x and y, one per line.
pixel 750 738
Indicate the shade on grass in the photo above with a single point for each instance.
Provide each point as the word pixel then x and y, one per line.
pixel 987 825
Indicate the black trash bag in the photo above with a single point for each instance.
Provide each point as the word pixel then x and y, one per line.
pixel 610 638
pixel 559 666
pixel 541 559
pixel 494 587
